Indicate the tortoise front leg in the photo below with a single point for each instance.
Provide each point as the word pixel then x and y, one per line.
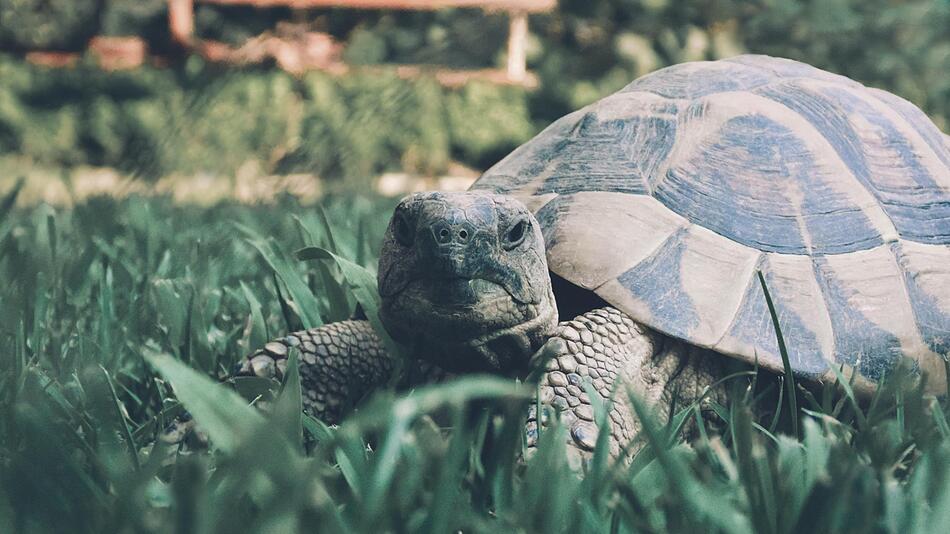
pixel 342 362
pixel 605 346
pixel 339 364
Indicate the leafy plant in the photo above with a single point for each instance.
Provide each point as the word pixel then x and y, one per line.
pixel 45 24
pixel 151 123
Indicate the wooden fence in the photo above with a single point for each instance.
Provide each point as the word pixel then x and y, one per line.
pixel 181 21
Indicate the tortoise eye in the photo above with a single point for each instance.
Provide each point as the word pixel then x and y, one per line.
pixel 401 230
pixel 516 234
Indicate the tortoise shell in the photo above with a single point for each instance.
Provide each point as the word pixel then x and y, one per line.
pixel 668 196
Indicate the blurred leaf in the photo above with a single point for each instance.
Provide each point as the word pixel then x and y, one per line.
pixel 172 310
pixel 789 378
pixel 339 307
pixel 363 285
pixel 221 412
pixel 9 198
pixel 288 409
pixel 254 388
pixel 306 304
pixel 256 331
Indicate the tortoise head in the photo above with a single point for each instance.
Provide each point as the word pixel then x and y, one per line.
pixel 464 281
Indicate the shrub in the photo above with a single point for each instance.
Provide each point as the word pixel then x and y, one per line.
pixel 196 119
pixel 48 24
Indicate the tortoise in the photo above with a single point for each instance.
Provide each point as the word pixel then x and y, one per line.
pixel 642 221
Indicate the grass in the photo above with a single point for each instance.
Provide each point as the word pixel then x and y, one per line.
pixel 116 312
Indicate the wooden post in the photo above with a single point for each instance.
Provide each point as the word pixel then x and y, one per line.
pixel 181 21
pixel 517 37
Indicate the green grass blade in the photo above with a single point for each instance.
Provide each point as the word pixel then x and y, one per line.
pixel 172 311
pixel 122 423
pixel 363 285
pixel 380 410
pixel 256 330
pixel 107 317
pixel 331 243
pixel 9 199
pixel 849 394
pixel 940 420
pixel 51 236
pixel 288 409
pixel 790 393
pixel 702 507
pixel 317 429
pixel 306 305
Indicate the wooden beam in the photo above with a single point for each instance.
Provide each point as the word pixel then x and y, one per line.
pixel 517 39
pixel 528 6
pixel 181 21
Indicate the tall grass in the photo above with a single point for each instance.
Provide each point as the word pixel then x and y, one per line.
pixel 116 313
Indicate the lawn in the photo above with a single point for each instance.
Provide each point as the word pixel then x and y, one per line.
pixel 115 312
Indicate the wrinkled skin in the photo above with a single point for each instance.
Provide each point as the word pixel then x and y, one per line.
pixel 464 282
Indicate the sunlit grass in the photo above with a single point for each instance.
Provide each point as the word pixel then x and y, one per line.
pixel 115 312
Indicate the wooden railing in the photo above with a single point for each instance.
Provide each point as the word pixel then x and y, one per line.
pixel 181 18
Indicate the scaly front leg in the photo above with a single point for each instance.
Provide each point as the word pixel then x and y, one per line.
pixel 609 350
pixel 340 363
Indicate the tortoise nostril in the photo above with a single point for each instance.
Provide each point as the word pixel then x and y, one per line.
pixel 447 234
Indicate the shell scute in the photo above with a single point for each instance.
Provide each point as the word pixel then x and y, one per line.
pixel 598 156
pixel 883 152
pixel 698 79
pixel 800 306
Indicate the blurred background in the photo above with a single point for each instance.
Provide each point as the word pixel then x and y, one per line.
pixel 250 99
pixel 161 161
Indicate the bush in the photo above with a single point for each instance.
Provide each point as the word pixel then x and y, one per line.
pixel 147 19
pixel 486 121
pixel 48 24
pixel 197 119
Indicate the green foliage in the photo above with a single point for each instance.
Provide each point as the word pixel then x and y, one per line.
pixel 365 47
pixel 117 311
pixel 460 38
pixel 591 48
pixel 48 24
pixel 342 132
pixel 151 123
pixel 235 24
pixel 484 121
pixel 147 19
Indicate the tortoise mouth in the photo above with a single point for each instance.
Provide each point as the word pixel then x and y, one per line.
pixel 455 292
pixel 452 311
